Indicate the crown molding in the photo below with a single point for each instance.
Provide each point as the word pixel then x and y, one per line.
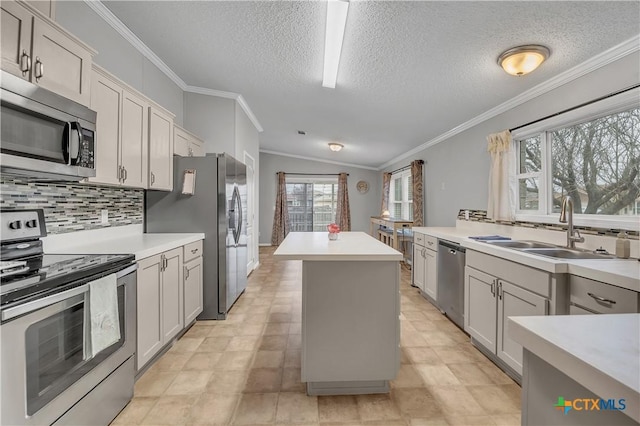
pixel 608 56
pixel 319 160
pixel 102 11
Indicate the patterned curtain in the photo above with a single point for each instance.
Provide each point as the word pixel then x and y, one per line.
pixel 281 215
pixel 343 213
pixel 418 195
pixel 386 187
pixel 501 203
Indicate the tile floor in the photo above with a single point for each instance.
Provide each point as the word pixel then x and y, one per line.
pixel 246 370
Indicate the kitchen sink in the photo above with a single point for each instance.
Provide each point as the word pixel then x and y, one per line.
pixel 520 244
pixel 564 253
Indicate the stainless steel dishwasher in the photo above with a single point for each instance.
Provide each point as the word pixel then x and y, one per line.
pixel 451 261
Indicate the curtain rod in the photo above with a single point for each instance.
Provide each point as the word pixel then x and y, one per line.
pixel 313 174
pixel 576 107
pixel 405 167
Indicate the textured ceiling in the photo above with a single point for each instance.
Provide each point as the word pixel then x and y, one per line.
pixel 409 71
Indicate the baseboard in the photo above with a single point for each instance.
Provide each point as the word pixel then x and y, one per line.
pixel 264 245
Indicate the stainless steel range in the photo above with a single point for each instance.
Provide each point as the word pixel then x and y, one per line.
pixel 57 367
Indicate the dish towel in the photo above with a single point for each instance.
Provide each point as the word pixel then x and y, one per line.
pixel 103 311
pixel 490 238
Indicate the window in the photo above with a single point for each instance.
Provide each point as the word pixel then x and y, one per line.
pixel 594 157
pixel 311 203
pixel 401 196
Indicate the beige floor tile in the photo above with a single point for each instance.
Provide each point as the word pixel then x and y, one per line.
pixel 172 361
pixel 202 361
pixel 297 408
pixel 417 402
pixel 243 343
pixel 377 407
pixel 154 383
pixel 274 343
pixel 239 360
pixel 506 419
pixel 228 330
pixel 408 377
pixel 434 421
pixel 294 343
pixel 214 344
pixel 293 359
pixel 423 325
pixel 250 329
pixel 411 339
pixel 470 374
pixel 197 331
pixel 187 344
pixel 263 380
pixel 135 411
pixel 277 328
pixel 423 356
pixel 470 420
pixel 189 382
pixel 256 408
pixel 494 400
pixel 438 338
pixel 454 354
pixel 296 328
pixel 268 359
pixel 291 381
pixel 341 408
pixel 435 375
pixel 170 410
pixel 213 409
pixel 496 375
pixel 226 382
pixel 456 401
pixel 279 317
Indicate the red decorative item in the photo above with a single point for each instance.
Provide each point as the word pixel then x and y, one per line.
pixel 334 230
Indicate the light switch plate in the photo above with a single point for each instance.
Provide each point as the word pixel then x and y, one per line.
pixel 104 216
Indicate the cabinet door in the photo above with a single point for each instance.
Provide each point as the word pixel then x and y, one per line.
pixel 16 38
pixel 160 150
pixel 180 142
pixel 430 274
pixel 106 100
pixel 65 66
pixel 149 309
pixel 515 301
pixel 418 266
pixel 480 307
pixel 192 290
pixel 46 7
pixel 134 138
pixel 172 295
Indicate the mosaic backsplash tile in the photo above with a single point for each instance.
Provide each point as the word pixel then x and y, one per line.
pixel 481 216
pixel 72 207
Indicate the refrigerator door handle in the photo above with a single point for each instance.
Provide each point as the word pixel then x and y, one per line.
pixel 239 223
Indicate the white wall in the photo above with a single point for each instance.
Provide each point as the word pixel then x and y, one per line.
pixel 362 206
pixel 119 57
pixel 213 119
pixel 461 163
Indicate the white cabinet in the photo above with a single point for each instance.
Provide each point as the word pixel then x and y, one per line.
pixel 38 50
pixel 490 301
pixel 160 303
pixel 122 125
pixel 186 144
pixel 160 149
pixel 46 7
pixel 424 264
pixel 193 297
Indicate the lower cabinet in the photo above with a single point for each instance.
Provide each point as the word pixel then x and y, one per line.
pixel 489 302
pixel 160 303
pixel 424 264
pixel 192 289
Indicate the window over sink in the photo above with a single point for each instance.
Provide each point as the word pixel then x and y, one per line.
pixel 590 153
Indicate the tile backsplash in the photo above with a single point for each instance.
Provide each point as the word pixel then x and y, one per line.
pixel 481 216
pixel 72 207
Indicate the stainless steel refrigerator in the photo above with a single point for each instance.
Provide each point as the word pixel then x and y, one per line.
pixel 217 208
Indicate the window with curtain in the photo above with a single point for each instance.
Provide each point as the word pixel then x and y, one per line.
pixel 401 196
pixel 594 157
pixel 311 203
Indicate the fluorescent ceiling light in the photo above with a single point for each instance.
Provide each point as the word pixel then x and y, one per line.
pixel 336 22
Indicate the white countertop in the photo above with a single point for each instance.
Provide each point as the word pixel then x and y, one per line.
pixel 623 273
pixel 601 352
pixel 350 246
pixel 141 245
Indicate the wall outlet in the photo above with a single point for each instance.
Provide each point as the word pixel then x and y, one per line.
pixel 104 215
pixel 466 215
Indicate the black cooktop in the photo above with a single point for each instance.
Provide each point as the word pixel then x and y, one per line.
pixel 50 273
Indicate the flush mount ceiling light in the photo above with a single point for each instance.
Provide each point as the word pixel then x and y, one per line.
pixel 334 34
pixel 333 146
pixel 522 60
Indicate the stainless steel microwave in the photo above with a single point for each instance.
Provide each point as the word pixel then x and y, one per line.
pixel 45 135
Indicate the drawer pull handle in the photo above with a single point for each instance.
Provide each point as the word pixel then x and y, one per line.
pixel 430 243
pixel 602 299
pixel 194 251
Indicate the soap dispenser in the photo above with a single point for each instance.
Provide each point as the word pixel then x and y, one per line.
pixel 623 246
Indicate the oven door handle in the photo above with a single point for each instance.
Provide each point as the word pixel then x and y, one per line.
pixel 34 305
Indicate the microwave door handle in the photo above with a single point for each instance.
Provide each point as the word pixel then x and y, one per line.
pixel 74 142
pixel 66 142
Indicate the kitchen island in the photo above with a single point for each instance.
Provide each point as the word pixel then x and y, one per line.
pixel 350 311
pixel 580 369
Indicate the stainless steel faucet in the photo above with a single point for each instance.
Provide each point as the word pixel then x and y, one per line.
pixel 566 216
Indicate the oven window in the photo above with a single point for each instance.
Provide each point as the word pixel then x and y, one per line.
pixel 55 350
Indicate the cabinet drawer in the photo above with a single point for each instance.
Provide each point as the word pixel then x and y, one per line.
pixel 588 294
pixel 523 276
pixel 419 238
pixel 192 250
pixel 431 242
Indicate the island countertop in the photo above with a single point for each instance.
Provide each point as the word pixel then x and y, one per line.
pixel 350 246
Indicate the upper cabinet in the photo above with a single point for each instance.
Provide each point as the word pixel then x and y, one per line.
pixel 46 7
pixel 38 50
pixel 160 149
pixel 122 139
pixel 186 144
